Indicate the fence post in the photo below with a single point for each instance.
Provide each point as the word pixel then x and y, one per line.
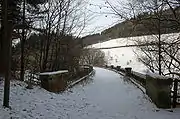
pixel 118 68
pixel 30 75
pixel 175 93
pixel 128 71
pixel 112 66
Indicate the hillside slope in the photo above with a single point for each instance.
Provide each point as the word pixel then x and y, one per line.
pixel 145 24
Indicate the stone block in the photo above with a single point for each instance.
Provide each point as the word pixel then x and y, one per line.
pixel 159 91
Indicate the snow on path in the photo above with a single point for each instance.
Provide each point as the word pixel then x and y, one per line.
pixel 107 95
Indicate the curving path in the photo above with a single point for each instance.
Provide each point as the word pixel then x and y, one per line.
pixel 106 95
pixel 114 97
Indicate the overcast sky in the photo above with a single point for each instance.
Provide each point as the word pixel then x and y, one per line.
pixel 101 20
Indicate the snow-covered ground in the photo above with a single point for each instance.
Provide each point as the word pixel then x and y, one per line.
pixel 107 95
pixel 126 57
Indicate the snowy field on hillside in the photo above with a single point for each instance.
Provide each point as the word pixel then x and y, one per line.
pixel 126 57
pixel 107 96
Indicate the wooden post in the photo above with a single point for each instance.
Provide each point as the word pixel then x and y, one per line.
pixel 118 68
pixel 175 93
pixel 112 66
pixel 128 71
pixel 30 75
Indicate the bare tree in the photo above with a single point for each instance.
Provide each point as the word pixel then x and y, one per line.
pixel 158 17
pixel 61 24
pixel 95 57
pixel 156 57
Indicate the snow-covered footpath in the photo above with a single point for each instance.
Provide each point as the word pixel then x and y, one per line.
pixel 107 95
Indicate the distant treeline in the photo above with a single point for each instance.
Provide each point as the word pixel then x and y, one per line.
pixel 144 24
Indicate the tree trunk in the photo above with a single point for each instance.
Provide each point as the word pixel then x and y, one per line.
pixel 7 27
pixel 159 41
pixel 22 44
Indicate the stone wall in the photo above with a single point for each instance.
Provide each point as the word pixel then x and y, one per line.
pixel 53 83
pixel 157 87
pixel 59 81
pixel 159 91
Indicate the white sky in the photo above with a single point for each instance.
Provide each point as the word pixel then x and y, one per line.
pixel 101 20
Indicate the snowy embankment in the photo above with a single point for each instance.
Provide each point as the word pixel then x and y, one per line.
pixel 126 56
pixel 107 95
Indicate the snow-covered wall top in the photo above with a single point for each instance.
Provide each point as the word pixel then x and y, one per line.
pixel 157 76
pixel 54 73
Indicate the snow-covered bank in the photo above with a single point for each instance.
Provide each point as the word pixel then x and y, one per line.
pixel 126 57
pixel 106 96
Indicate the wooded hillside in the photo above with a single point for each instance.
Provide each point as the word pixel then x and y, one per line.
pixel 144 24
